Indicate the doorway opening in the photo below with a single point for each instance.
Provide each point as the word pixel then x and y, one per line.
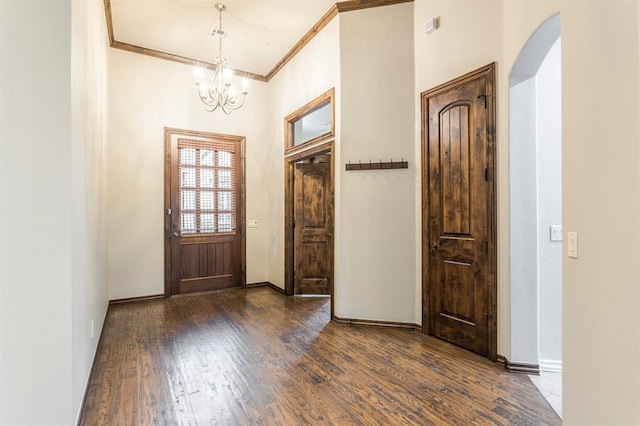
pixel 309 222
pixel 535 176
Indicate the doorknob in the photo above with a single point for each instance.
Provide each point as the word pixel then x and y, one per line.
pixel 434 246
pixel 175 234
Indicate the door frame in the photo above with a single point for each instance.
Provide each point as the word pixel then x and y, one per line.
pixel 241 200
pixel 489 72
pixel 289 214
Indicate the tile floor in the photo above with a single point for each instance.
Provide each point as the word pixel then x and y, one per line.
pixel 550 385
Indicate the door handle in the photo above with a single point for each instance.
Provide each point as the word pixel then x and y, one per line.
pixel 175 234
pixel 434 246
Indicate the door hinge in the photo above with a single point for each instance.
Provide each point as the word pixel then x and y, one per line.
pixel 486 174
pixel 485 99
pixel 486 247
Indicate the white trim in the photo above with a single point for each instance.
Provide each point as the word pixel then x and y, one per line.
pixel 551 366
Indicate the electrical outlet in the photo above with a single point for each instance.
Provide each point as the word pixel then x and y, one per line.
pixel 92 329
pixel 252 223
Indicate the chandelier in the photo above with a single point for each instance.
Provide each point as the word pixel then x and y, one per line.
pixel 218 91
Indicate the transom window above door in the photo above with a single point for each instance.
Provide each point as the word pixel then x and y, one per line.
pixel 311 123
pixel 206 187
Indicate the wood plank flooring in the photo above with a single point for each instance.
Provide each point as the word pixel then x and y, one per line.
pixel 257 357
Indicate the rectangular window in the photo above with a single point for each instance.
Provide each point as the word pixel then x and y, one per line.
pixel 311 123
pixel 206 186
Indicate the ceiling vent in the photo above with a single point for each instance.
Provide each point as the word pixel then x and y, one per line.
pixel 219 33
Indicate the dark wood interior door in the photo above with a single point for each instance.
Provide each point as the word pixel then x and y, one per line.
pixel 458 214
pixel 206 219
pixel 313 228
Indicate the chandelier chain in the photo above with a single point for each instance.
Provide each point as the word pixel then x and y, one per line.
pixel 220 9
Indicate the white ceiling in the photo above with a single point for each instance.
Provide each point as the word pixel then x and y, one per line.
pixel 261 31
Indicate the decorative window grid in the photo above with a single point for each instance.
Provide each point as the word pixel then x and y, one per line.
pixel 207 189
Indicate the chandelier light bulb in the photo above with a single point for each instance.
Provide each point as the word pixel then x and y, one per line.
pixel 228 73
pixel 203 88
pixel 198 73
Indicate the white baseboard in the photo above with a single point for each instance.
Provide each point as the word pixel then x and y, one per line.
pixel 550 366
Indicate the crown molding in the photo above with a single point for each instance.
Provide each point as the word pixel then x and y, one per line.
pixel 345 6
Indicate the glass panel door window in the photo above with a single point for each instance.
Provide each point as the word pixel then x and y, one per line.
pixel 206 187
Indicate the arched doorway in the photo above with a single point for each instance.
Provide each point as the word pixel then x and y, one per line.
pixel 535 173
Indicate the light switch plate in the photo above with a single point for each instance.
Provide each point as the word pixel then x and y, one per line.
pixel 556 233
pixel 572 244
pixel 252 223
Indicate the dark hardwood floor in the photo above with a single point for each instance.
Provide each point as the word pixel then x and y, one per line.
pixel 257 357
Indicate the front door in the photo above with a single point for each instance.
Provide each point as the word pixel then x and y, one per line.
pixel 313 224
pixel 205 219
pixel 458 216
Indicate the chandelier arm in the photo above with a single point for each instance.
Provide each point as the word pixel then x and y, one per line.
pixel 233 104
pixel 210 108
pixel 230 107
pixel 207 102
pixel 208 105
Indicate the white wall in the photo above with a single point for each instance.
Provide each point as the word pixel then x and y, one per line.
pixel 52 256
pixel 523 196
pixel 313 71
pixel 145 96
pixel 88 144
pixel 549 196
pixel 376 274
pixel 35 218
